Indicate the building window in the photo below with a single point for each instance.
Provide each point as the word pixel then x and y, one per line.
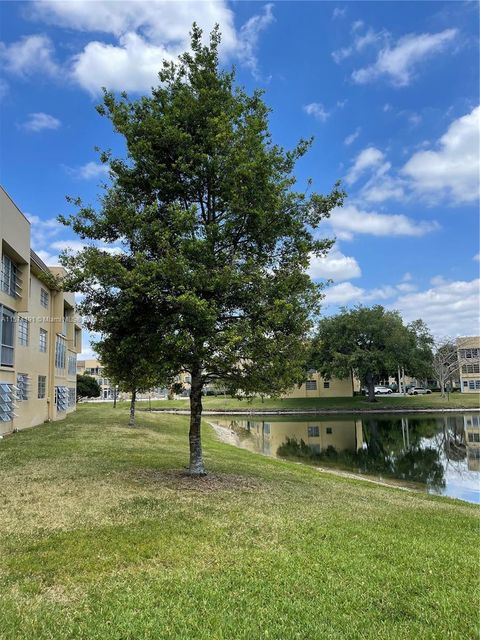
pixel 314 448
pixel 71 396
pixel 477 384
pixel 329 430
pixel 10 279
pixel 465 384
pixel 313 432
pixel 23 332
pixel 60 353
pixel 6 336
pixel 6 402
pixel 43 340
pixel 311 385
pixel 61 398
pixel 474 437
pixel 72 365
pixel 22 386
pixel 42 386
pixel 326 385
pixel 44 298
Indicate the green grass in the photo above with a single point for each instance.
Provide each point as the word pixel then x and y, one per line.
pixel 102 536
pixel 360 403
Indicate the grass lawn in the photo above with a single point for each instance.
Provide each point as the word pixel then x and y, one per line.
pixel 360 403
pixel 102 536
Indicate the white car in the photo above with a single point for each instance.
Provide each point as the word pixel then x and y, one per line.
pixel 382 390
pixel 417 391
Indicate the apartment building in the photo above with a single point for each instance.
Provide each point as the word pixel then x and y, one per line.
pixel 94 368
pixel 468 353
pixel 317 387
pixel 39 337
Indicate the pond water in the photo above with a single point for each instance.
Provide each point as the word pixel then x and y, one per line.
pixel 435 453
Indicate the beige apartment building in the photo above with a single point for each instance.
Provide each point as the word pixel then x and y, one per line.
pixel 317 387
pixel 468 352
pixel 93 367
pixel 39 337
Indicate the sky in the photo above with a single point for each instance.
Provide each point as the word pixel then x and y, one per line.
pixel 388 90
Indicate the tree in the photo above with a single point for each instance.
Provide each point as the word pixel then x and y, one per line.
pixel 87 387
pixel 125 354
pixel 216 241
pixel 369 342
pixel 445 363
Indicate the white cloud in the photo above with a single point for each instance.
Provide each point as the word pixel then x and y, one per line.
pixel 334 266
pixel 160 21
pixel 453 170
pixel 29 56
pixel 48 258
pixel 147 32
pixel 40 121
pixel 350 220
pixel 477 257
pixel 448 308
pixel 346 293
pixel 352 137
pixel 42 232
pixel 382 186
pixel 339 12
pixel 317 110
pixel 249 37
pixel 131 66
pixel 366 159
pixel 360 42
pixel 89 170
pixel 399 62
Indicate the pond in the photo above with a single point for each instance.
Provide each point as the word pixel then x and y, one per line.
pixel 435 453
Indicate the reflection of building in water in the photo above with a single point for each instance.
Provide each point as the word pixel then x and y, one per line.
pixel 472 439
pixel 267 436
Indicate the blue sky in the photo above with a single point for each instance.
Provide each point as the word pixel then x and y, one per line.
pixel 389 90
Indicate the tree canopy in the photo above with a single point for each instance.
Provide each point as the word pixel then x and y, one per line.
pixel 370 342
pixel 87 387
pixel 216 242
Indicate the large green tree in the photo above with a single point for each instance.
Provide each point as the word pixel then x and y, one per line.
pixel 369 342
pixel 216 240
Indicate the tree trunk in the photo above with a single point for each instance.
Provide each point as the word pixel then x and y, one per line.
pixel 370 387
pixel 131 419
pixel 195 439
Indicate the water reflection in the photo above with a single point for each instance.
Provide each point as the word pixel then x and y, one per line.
pixel 437 452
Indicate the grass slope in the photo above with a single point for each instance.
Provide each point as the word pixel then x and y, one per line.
pixel 103 537
pixel 360 403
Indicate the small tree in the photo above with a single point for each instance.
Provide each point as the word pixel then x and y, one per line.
pixel 369 342
pixel 445 362
pixel 216 241
pixel 87 387
pixel 124 346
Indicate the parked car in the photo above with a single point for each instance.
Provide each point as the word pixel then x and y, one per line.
pixel 417 391
pixel 382 390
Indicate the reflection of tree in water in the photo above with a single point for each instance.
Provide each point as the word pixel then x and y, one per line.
pixel 391 447
pixel 241 428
